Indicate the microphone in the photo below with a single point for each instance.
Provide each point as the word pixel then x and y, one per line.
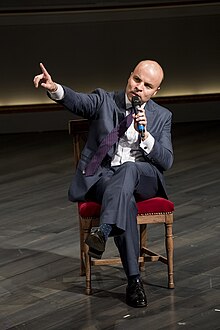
pixel 136 103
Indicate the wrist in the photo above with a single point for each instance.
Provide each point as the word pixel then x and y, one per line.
pixel 146 134
pixel 54 88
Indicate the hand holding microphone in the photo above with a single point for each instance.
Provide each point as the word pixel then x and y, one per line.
pixel 136 104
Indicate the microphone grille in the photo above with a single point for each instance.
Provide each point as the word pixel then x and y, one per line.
pixel 136 101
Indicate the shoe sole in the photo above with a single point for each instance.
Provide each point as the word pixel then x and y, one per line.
pixel 135 305
pixel 94 253
pixel 94 244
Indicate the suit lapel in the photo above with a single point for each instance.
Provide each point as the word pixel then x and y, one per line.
pixel 120 102
pixel 118 115
pixel 150 114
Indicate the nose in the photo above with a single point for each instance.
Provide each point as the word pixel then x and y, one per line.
pixel 138 87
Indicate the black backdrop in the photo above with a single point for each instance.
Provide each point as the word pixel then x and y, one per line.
pixel 98 45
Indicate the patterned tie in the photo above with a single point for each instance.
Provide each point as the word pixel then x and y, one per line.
pixel 107 143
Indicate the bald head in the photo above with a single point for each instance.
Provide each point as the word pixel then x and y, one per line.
pixel 145 80
pixel 152 69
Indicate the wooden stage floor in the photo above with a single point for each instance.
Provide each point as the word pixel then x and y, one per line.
pixel 40 286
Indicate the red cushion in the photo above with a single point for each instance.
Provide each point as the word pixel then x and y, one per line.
pixel 155 205
pixel 152 205
pixel 89 209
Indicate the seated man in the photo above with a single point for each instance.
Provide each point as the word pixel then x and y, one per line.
pixel 122 161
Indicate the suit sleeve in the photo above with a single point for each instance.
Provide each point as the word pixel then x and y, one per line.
pixel 81 104
pixel 161 154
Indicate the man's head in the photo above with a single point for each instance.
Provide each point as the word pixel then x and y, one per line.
pixel 145 80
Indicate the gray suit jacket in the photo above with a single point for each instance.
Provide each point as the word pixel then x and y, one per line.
pixel 105 110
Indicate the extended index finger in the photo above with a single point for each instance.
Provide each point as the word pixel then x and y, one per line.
pixel 43 69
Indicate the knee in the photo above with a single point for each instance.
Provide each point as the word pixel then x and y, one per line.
pixel 130 168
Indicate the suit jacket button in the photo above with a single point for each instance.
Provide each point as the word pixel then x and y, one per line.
pixel 83 172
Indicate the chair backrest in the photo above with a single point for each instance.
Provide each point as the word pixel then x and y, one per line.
pixel 78 129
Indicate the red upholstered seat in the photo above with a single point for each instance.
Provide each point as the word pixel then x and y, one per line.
pixel 152 205
pixel 89 209
pixel 155 205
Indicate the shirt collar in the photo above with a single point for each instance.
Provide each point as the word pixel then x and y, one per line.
pixel 129 105
pixel 127 102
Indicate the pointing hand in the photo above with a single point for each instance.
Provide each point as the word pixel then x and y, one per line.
pixel 44 79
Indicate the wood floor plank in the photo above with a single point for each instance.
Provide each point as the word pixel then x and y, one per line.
pixel 40 286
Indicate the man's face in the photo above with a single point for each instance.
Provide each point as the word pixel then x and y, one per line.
pixel 144 81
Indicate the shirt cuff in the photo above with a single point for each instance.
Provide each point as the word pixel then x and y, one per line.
pixel 148 143
pixel 59 94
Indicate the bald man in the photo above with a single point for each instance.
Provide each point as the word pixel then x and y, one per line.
pixel 130 170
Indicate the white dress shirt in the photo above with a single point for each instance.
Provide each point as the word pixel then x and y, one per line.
pixel 130 143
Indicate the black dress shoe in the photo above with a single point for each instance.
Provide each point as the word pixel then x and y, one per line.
pixel 96 242
pixel 135 295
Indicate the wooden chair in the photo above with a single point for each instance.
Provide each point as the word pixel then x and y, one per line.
pixel 151 211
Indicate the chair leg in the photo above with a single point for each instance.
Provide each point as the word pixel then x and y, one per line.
pixel 143 239
pixel 169 249
pixel 82 254
pixel 88 270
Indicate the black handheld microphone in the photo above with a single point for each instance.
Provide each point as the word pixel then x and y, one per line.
pixel 136 103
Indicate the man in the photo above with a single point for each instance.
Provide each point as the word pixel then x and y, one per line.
pixel 130 170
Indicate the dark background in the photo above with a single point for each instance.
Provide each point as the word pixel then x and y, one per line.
pixel 92 44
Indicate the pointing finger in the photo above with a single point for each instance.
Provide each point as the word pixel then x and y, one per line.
pixel 44 69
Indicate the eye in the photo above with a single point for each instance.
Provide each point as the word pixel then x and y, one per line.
pixel 137 79
pixel 148 86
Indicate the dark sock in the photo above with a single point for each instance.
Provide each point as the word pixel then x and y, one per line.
pixel 105 229
pixel 133 277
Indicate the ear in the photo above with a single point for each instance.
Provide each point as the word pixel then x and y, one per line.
pixel 156 91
